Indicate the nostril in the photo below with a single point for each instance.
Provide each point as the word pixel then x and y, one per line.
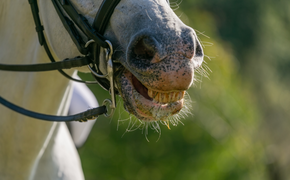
pixel 198 56
pixel 144 49
pixel 198 49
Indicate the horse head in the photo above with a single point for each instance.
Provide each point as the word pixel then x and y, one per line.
pixel 158 53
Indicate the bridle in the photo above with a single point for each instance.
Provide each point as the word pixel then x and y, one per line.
pixel 89 47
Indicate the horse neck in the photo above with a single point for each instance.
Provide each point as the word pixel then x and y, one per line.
pixel 23 139
pixel 19 45
pixel 17 33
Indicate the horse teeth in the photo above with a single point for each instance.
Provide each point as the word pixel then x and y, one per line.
pixel 178 96
pixel 165 97
pixel 174 97
pixel 183 93
pixel 160 97
pixel 156 97
pixel 150 93
pixel 169 97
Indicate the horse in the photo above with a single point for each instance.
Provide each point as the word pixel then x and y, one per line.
pixel 82 98
pixel 157 56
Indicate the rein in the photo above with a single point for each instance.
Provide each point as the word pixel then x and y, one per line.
pixel 90 48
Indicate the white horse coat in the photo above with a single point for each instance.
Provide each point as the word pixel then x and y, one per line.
pixel 31 149
pixel 82 100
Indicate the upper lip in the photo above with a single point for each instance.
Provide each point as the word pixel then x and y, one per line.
pixel 155 95
pixel 149 108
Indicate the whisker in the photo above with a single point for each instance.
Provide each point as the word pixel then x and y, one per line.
pixel 201 33
pixel 146 132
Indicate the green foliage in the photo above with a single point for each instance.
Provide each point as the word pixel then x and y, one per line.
pixel 215 143
pixel 247 54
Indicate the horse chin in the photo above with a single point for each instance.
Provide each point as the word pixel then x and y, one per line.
pixel 143 104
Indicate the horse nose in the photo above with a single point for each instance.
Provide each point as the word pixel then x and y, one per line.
pixel 145 49
pixel 165 63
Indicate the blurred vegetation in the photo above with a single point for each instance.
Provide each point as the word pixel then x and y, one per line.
pixel 240 122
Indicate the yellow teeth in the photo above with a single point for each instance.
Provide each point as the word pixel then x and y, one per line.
pixel 165 97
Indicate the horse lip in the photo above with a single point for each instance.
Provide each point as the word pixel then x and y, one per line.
pixel 151 110
pixel 140 88
pixel 145 109
pixel 157 96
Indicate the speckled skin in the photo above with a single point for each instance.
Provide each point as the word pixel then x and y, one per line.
pixel 150 42
pixel 160 51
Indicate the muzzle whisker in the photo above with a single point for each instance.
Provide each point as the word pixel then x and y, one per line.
pixel 121 122
pixel 131 124
pixel 202 70
pixel 127 129
pixel 205 43
pixel 173 122
pixel 135 127
pixel 175 5
pixel 155 126
pixel 201 33
pixel 157 129
pixel 146 132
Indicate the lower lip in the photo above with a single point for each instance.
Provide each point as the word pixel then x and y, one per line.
pixel 146 106
pixel 149 109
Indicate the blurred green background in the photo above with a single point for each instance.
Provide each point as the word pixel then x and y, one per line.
pixel 240 123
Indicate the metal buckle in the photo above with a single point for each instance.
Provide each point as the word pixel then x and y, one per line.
pixel 109 75
pixel 89 42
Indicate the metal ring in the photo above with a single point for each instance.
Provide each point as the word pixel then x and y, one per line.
pixel 96 74
pixel 89 42
pixel 109 55
pixel 108 102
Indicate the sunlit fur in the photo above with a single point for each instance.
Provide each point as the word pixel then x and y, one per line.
pixel 134 123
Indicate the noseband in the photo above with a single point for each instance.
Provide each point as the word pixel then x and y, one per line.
pixel 90 48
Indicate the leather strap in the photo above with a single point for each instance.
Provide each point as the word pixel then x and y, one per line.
pixel 65 64
pixel 39 28
pixel 81 117
pixel 106 11
pixel 83 24
pixel 80 21
pixel 100 23
pixel 104 14
pixel 71 29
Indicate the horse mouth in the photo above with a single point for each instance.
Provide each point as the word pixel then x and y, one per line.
pixel 157 97
pixel 148 104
